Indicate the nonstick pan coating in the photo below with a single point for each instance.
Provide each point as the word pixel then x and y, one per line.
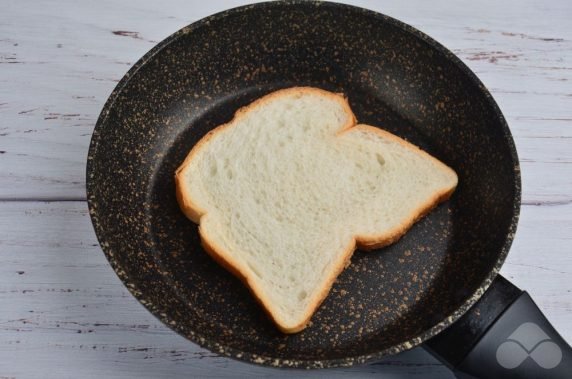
pixel 396 78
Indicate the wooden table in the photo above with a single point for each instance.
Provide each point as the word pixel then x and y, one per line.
pixel 64 313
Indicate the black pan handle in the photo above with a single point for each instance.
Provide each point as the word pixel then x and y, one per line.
pixel 504 335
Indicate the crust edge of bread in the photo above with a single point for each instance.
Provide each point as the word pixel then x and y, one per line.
pixel 366 242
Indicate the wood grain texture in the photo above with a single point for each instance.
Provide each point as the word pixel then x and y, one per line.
pixel 60 60
pixel 63 308
pixel 63 312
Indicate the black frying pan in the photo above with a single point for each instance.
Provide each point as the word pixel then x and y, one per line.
pixel 388 300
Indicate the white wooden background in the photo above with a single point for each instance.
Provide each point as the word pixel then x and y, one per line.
pixel 63 312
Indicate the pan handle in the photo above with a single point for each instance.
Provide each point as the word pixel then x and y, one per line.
pixel 504 335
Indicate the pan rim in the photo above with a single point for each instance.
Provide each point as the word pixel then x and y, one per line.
pixel 231 352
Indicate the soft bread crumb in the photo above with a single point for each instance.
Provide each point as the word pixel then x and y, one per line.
pixel 285 191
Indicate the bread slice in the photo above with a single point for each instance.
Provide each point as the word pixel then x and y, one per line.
pixel 285 191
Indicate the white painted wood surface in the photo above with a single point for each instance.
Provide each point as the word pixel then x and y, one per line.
pixel 63 312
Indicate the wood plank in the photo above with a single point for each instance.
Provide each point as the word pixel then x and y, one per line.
pixel 63 308
pixel 64 312
pixel 60 62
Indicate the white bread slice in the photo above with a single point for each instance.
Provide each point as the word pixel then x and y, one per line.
pixel 285 191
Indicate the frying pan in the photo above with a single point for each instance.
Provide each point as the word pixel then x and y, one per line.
pixel 441 276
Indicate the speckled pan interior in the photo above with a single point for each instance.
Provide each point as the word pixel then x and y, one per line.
pixel 396 78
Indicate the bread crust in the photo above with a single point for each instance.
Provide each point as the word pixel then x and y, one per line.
pixel 367 242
